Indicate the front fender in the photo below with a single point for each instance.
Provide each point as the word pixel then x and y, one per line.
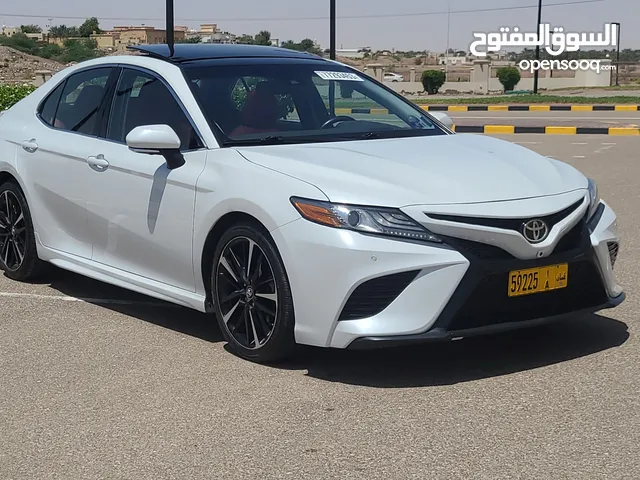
pixel 230 183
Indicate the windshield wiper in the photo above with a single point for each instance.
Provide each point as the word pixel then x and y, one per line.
pixel 360 135
pixel 268 140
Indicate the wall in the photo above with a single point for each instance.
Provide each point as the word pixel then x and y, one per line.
pixel 484 82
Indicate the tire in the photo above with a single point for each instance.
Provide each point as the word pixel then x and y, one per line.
pixel 17 236
pixel 247 308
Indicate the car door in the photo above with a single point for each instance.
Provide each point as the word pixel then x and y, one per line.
pixel 54 155
pixel 141 212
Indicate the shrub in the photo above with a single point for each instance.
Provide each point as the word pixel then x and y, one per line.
pixel 432 80
pixel 509 77
pixel 12 94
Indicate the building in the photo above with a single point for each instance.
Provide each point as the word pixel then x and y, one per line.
pixel 11 31
pixel 210 33
pixel 137 35
pixel 121 36
pixel 355 53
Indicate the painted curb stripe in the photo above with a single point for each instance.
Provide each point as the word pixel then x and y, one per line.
pixel 548 130
pixel 500 108
pixel 530 108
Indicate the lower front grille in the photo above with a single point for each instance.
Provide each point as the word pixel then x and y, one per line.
pixel 489 304
pixel 373 296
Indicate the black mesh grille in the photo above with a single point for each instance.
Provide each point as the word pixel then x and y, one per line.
pixel 373 296
pixel 489 303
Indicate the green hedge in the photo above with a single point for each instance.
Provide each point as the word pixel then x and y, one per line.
pixel 12 94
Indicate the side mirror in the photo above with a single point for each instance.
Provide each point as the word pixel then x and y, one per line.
pixel 442 118
pixel 157 140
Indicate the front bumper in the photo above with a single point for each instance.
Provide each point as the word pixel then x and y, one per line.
pixel 357 291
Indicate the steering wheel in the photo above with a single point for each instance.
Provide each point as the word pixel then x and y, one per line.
pixel 334 120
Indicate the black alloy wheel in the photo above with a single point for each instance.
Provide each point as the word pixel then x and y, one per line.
pixel 18 255
pixel 251 295
pixel 13 232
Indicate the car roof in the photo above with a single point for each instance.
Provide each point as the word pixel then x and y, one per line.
pixel 185 52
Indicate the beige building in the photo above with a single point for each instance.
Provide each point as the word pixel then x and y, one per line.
pixel 10 31
pixel 146 35
pixel 121 36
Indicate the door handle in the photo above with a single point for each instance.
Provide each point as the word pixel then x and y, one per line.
pixel 98 163
pixel 30 145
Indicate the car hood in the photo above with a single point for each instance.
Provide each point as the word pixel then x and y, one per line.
pixel 448 169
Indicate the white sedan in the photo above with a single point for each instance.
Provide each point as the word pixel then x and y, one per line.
pixel 393 77
pixel 241 181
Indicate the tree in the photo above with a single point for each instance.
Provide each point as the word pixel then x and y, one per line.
pixel 245 39
pixel 50 50
pixel 306 45
pixel 62 31
pixel 20 42
pixel 262 38
pixel 30 29
pixel 79 50
pixel 509 77
pixel 432 80
pixel 90 25
pixel 195 39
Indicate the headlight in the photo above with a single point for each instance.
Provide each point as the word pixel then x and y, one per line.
pixel 390 222
pixel 594 198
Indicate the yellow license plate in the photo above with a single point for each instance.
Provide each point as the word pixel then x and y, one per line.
pixel 536 280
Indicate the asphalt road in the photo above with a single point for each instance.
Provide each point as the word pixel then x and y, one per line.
pixel 98 383
pixel 543 119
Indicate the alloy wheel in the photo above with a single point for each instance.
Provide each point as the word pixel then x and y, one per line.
pixel 246 293
pixel 13 231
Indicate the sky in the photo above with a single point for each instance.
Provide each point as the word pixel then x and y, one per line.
pixel 397 24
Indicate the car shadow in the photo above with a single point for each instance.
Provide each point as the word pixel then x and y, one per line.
pixel 466 360
pixel 431 364
pixel 164 314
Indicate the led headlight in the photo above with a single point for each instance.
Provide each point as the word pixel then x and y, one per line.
pixel 594 198
pixel 373 220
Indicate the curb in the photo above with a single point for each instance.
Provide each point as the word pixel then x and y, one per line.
pixel 549 130
pixel 499 108
pixel 530 108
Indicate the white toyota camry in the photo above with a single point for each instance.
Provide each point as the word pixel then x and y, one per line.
pixel 297 200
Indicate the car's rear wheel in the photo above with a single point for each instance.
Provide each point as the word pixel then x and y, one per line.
pixel 251 295
pixel 18 254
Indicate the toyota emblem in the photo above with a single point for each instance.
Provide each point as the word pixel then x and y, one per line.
pixel 535 231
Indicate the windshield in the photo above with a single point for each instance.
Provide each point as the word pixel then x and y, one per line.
pixel 298 102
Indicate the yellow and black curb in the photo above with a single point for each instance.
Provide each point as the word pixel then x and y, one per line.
pixel 530 108
pixel 549 130
pixel 499 108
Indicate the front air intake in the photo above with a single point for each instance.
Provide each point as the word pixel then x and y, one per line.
pixel 373 296
pixel 613 252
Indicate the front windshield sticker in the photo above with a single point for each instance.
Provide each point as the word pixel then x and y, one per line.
pixel 339 76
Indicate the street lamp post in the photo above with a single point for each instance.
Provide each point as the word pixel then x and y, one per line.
pixel 332 29
pixel 535 73
pixel 617 54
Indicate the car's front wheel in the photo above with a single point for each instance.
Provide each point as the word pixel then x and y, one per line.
pixel 18 254
pixel 251 295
